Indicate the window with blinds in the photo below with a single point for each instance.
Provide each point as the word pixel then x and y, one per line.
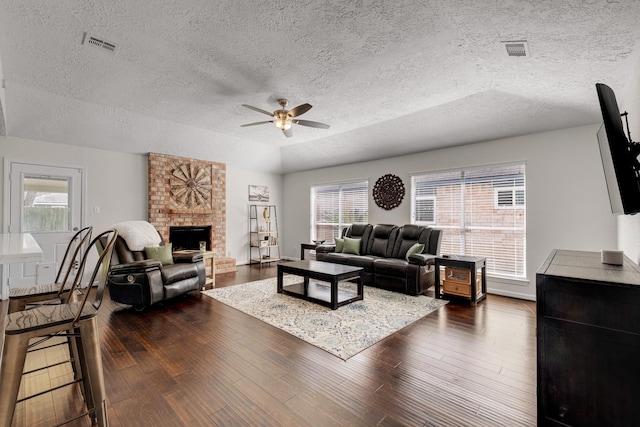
pixel 336 206
pixel 481 212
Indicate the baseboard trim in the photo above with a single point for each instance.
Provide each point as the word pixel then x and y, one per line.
pixel 510 294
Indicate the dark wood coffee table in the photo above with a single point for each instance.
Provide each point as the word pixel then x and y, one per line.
pixel 329 296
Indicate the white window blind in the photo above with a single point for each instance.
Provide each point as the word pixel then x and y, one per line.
pixel 336 206
pixel 481 212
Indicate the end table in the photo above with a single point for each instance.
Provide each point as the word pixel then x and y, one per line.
pixel 461 277
pixel 306 246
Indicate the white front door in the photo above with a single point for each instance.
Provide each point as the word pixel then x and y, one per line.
pixel 45 201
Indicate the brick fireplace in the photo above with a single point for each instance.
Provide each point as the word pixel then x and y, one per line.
pixel 185 192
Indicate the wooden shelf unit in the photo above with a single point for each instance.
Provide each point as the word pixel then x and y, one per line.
pixel 263 234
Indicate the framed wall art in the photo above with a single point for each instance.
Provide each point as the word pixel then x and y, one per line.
pixel 258 193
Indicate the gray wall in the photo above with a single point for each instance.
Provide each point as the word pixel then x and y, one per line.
pixel 117 184
pixel 629 225
pixel 567 202
pixel 567 205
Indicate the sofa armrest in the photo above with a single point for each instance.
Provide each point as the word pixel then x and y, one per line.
pixel 325 249
pixel 136 267
pixel 422 259
pixel 187 256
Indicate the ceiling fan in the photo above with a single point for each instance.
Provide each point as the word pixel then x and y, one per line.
pixel 283 119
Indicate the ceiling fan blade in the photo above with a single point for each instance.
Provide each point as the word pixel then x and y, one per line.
pixel 259 110
pixel 256 123
pixel 311 124
pixel 288 132
pixel 300 109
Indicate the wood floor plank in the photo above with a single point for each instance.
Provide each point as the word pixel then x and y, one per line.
pixel 194 361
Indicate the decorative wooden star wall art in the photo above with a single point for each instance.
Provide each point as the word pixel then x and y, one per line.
pixel 191 186
pixel 388 191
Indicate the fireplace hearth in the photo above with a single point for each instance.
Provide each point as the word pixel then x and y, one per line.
pixel 189 237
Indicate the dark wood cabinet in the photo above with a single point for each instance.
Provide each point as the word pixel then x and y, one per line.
pixel 588 333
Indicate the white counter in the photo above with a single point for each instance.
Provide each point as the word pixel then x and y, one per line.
pixel 19 247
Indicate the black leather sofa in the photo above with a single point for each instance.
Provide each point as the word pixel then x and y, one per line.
pixel 382 255
pixel 138 281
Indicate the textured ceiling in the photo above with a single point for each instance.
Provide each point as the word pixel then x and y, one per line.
pixel 390 78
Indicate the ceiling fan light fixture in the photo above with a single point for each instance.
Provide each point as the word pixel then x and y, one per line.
pixel 284 119
pixel 282 124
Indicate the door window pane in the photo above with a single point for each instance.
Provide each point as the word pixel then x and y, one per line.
pixel 45 205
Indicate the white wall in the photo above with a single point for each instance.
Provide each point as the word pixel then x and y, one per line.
pixel 238 181
pixel 629 225
pixel 567 203
pixel 116 183
pixel 3 103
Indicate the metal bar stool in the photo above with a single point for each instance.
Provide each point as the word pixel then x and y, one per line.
pixel 21 297
pixel 60 291
pixel 77 320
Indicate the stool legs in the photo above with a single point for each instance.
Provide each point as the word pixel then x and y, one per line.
pixel 90 344
pixel 87 345
pixel 80 370
pixel 14 354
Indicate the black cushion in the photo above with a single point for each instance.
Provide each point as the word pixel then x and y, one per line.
pixel 390 267
pixel 360 231
pixel 176 272
pixel 409 235
pixel 363 261
pixel 383 239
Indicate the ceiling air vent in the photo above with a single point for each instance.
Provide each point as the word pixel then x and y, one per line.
pixel 517 48
pixel 99 43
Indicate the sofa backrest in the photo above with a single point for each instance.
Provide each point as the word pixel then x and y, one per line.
pixel 435 241
pixel 408 235
pixel 360 231
pixel 123 255
pixel 126 255
pixel 382 240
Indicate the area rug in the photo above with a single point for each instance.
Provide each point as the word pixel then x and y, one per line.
pixel 343 332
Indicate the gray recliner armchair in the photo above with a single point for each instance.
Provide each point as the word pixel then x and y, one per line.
pixel 135 279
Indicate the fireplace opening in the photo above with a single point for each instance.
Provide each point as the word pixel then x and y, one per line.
pixel 189 237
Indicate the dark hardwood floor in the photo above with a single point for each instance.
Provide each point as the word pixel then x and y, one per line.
pixel 197 362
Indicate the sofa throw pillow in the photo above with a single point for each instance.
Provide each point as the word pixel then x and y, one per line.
pixel 351 246
pixel 160 253
pixel 339 245
pixel 417 248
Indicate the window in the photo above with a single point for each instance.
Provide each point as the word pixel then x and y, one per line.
pixel 481 212
pixel 509 198
pixel 45 204
pixel 336 206
pixel 425 210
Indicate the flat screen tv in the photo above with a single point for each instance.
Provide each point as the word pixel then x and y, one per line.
pixel 619 156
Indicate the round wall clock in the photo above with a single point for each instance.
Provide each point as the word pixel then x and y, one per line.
pixel 388 191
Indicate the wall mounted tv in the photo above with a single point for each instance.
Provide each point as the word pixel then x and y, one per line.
pixel 619 156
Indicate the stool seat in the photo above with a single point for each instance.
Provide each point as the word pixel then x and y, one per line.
pixel 48 289
pixel 21 297
pixel 61 290
pixel 43 316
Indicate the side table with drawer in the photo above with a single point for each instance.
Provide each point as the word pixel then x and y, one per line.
pixel 461 279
